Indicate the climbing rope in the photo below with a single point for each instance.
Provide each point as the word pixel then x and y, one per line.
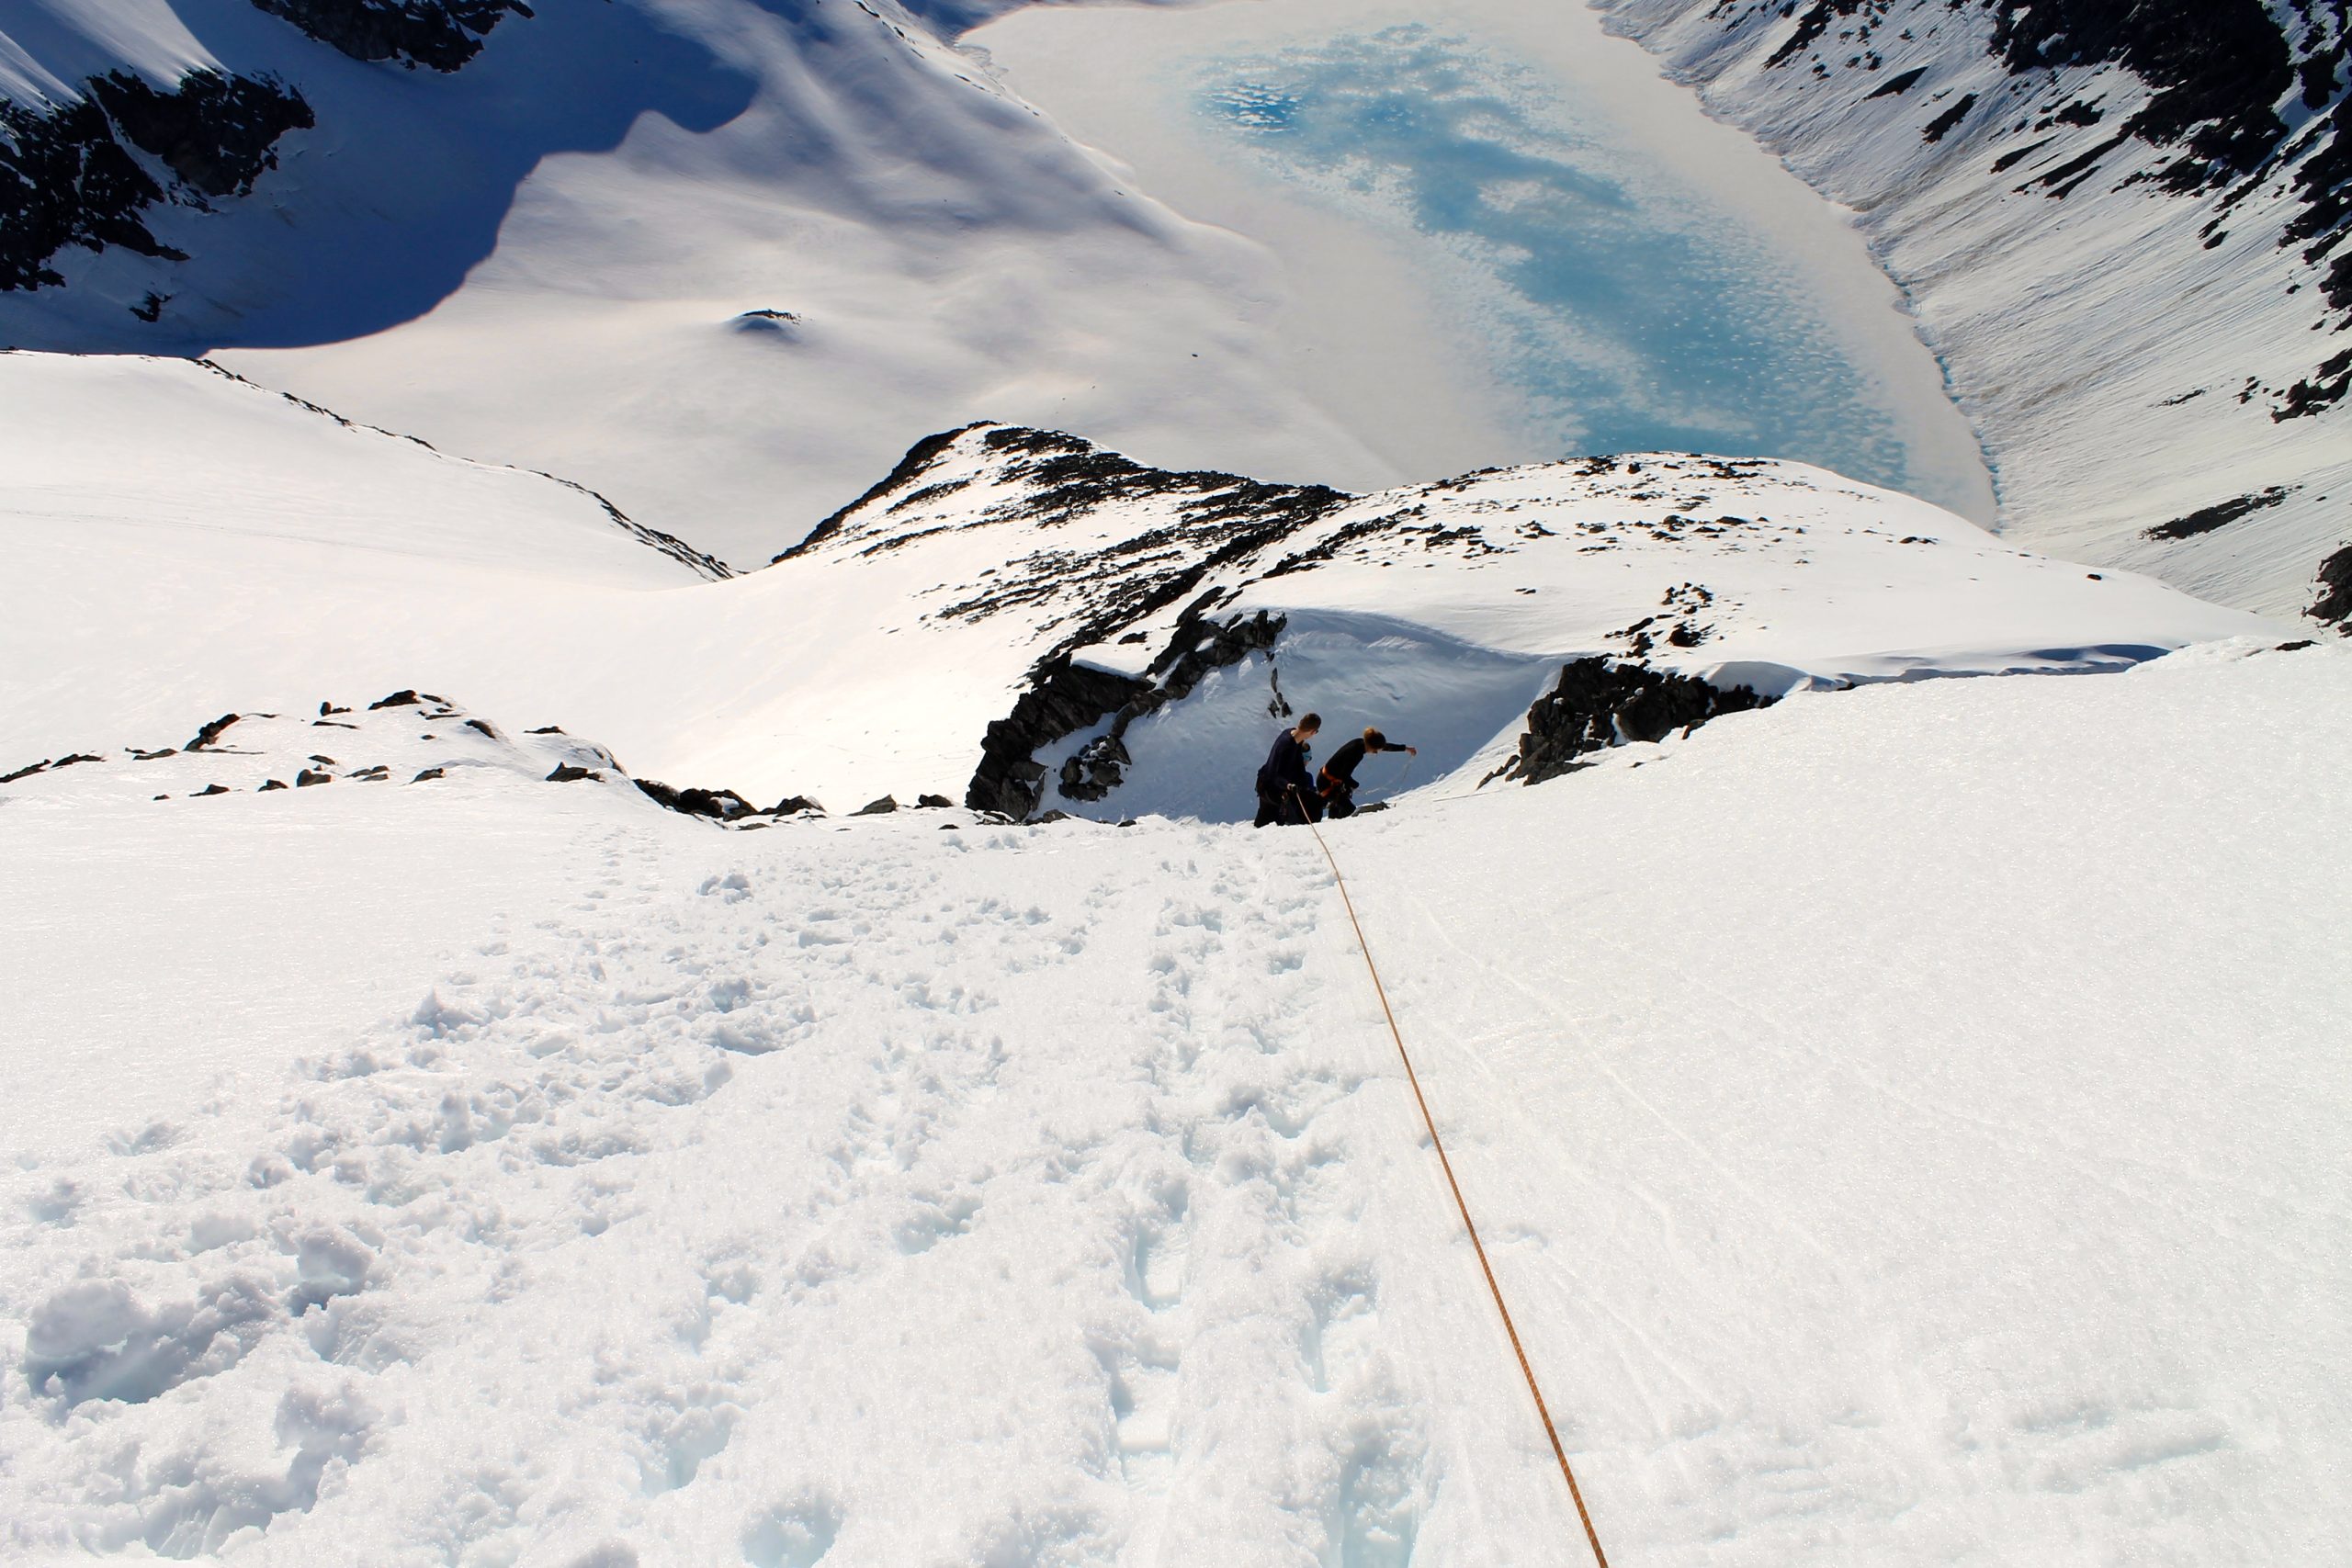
pixel 1576 1493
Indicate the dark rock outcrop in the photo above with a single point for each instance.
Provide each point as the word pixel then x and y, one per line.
pixel 2219 515
pixel 1599 703
pixel 2335 601
pixel 1064 698
pixel 210 733
pixel 881 807
pixel 441 34
pixel 309 776
pixel 720 805
pixel 567 772
pixel 68 177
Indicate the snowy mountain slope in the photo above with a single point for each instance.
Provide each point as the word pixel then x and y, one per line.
pixel 1907 1131
pixel 718 259
pixel 976 586
pixel 109 438
pixel 1191 609
pixel 2123 227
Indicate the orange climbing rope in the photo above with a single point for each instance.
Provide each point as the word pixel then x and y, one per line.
pixel 1576 1493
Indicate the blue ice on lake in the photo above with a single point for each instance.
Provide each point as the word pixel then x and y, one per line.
pixel 1625 312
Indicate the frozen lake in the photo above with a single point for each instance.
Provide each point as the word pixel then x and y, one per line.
pixel 1502 237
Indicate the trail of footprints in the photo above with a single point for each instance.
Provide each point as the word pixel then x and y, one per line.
pixel 1244 1186
pixel 1237 1247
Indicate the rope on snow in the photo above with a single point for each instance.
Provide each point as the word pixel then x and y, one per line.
pixel 1527 1372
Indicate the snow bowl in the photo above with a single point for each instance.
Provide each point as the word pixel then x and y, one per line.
pixel 1198 757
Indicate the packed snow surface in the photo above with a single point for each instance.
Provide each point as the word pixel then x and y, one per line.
pixel 1906 1122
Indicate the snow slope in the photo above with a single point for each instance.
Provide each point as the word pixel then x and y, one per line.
pixel 875 659
pixel 721 260
pixel 1907 1126
pixel 2119 224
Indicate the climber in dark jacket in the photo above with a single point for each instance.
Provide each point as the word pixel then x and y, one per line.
pixel 1337 783
pixel 1285 794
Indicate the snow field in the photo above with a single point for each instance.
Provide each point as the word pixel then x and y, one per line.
pixel 1905 1122
pixel 1939 1096
pixel 661 1174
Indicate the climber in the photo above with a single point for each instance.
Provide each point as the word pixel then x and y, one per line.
pixel 1284 792
pixel 1337 783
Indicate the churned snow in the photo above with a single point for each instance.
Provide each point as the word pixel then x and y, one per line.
pixel 1906 1122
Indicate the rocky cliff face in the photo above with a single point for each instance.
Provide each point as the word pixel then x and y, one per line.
pixel 441 34
pixel 1599 703
pixel 87 173
pixel 2127 225
pixel 98 163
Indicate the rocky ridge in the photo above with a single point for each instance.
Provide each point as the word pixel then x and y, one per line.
pixel 87 173
pixel 1131 587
